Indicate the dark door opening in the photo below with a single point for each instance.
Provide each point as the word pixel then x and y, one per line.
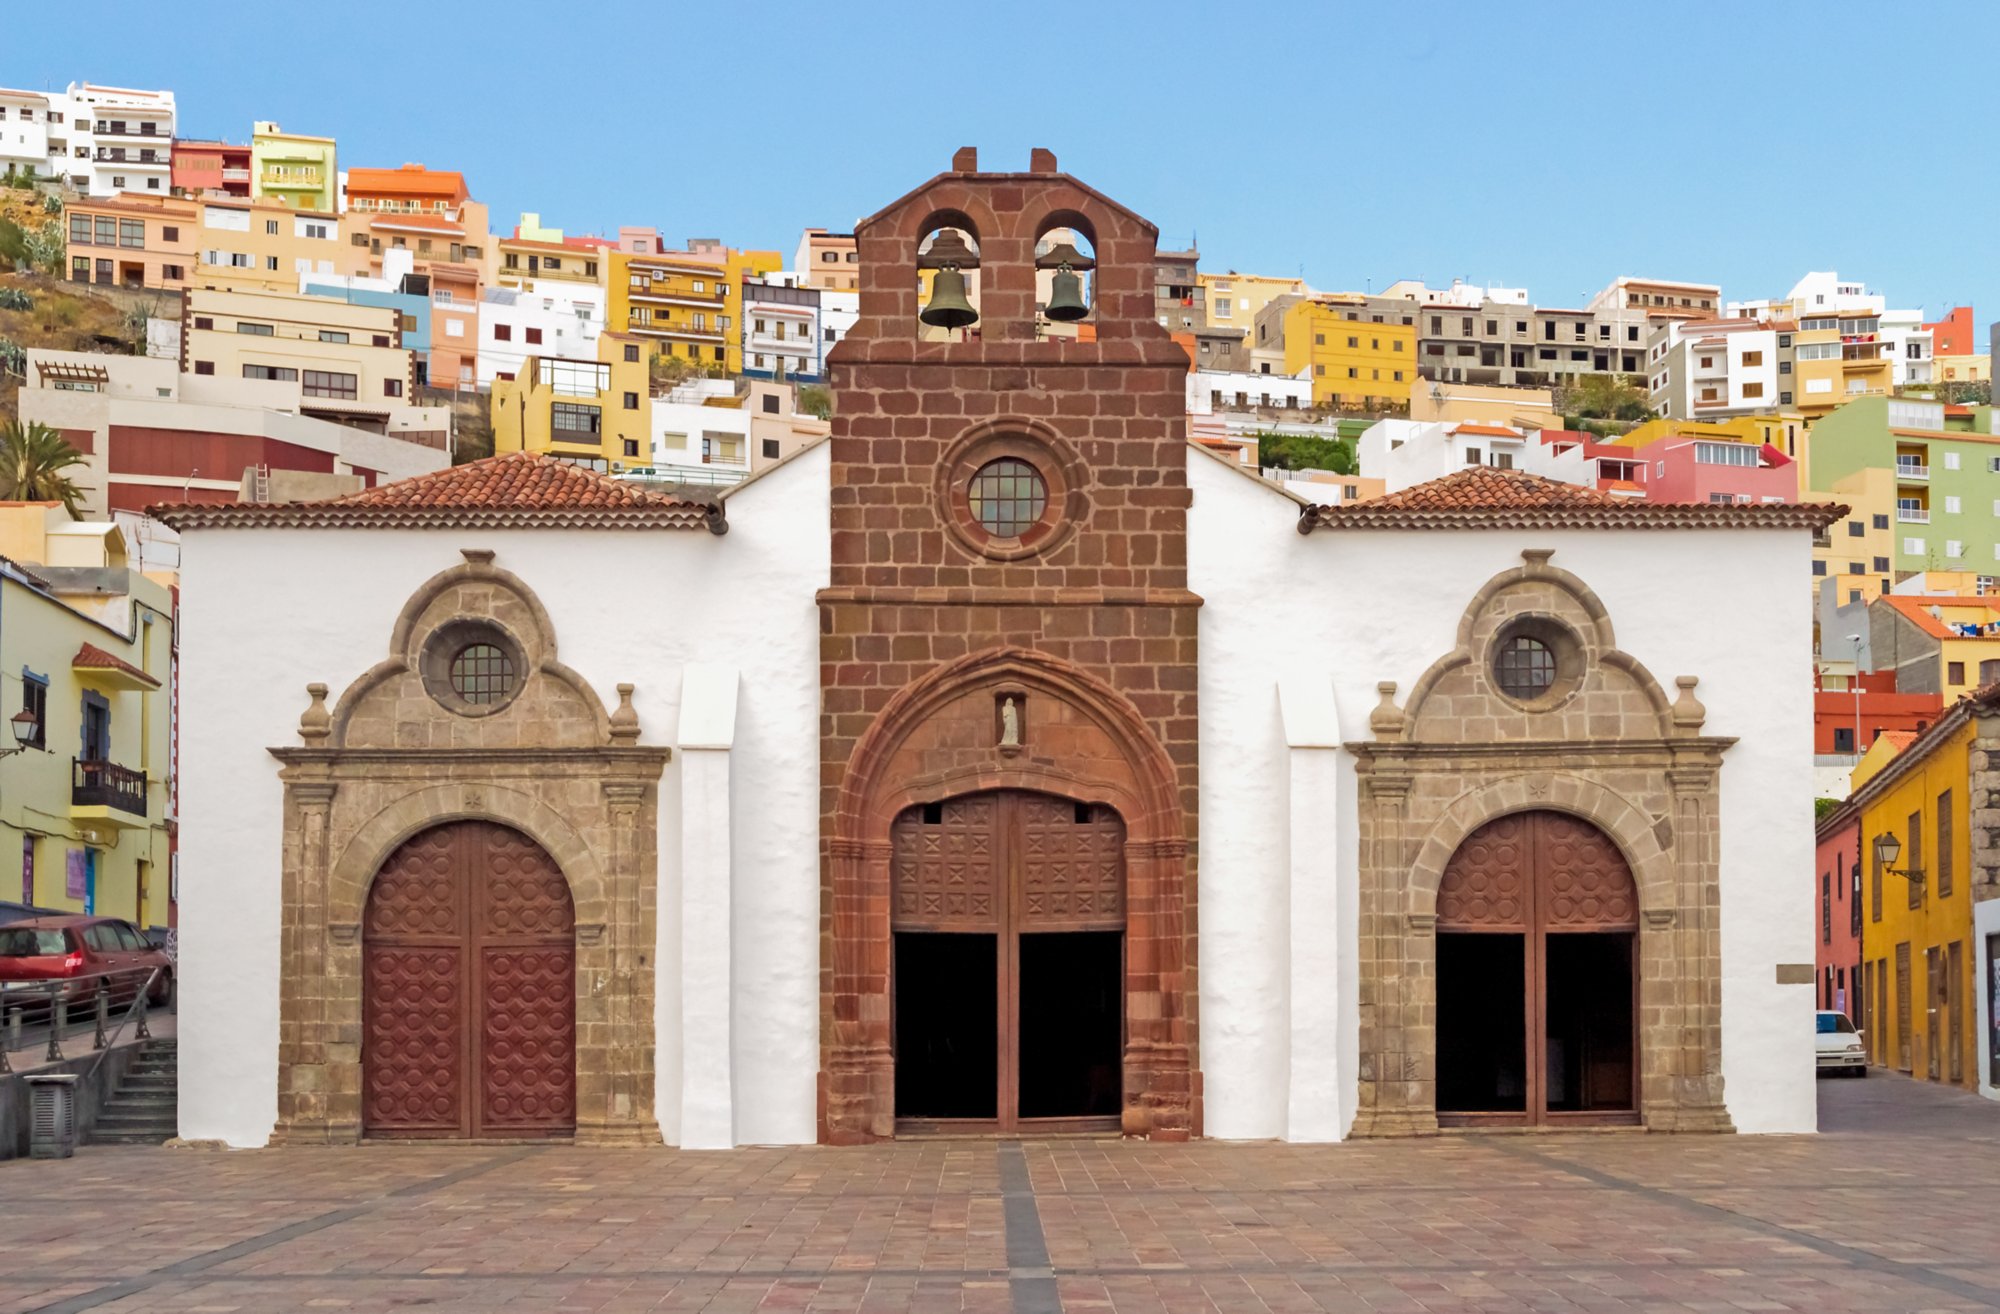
pixel 1482 1055
pixel 1589 1022
pixel 1071 1026
pixel 947 1025
pixel 1537 944
pixel 1008 976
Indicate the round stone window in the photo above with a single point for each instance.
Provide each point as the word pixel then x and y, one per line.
pixel 482 673
pixel 1008 497
pixel 472 666
pixel 1524 668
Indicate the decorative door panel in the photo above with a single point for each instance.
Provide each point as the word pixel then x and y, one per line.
pixel 413 1025
pixel 947 870
pixel 469 993
pixel 1582 881
pixel 1071 858
pixel 1485 885
pixel 527 1039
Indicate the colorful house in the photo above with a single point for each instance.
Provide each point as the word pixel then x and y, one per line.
pixel 294 169
pixel 1946 464
pixel 87 650
pixel 1355 364
pixel 594 412
pixel 1917 961
pixel 1837 860
pixel 1944 645
pixel 210 168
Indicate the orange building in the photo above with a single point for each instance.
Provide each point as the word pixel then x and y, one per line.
pixel 1954 335
pixel 431 214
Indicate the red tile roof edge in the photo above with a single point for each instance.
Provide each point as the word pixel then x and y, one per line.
pixel 92 657
pixel 1513 499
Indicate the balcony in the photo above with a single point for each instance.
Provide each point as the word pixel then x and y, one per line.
pixel 668 330
pixel 119 155
pixel 1908 471
pixel 1913 515
pixel 123 128
pixel 698 301
pixel 236 175
pixel 106 794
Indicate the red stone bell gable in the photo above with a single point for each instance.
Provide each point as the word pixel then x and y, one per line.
pixel 1006 213
pixel 910 413
pixel 1058 658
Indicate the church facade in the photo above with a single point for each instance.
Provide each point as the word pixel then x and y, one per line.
pixel 1003 764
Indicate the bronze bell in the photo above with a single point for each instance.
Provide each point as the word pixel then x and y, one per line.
pixel 948 307
pixel 1066 303
pixel 1066 297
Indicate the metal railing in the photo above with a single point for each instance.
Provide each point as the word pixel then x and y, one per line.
pixel 106 784
pixel 63 1007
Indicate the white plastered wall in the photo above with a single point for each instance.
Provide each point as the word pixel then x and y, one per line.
pixel 1355 607
pixel 1985 986
pixel 267 611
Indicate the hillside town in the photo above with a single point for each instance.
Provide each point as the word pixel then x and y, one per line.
pixel 989 542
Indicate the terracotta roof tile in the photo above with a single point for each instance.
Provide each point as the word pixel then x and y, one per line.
pixel 92 657
pixel 1495 430
pixel 1485 498
pixel 519 488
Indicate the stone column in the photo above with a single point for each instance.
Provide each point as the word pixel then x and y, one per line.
pixel 614 1084
pixel 860 1077
pixel 306 1094
pixel 1697 1104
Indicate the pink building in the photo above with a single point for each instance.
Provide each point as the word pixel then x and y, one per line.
pixel 1837 912
pixel 210 168
pixel 1689 469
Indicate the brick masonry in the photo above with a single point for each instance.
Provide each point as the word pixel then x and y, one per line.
pixel 1087 621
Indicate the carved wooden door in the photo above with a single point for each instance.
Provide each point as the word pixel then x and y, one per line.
pixel 1011 873
pixel 1560 887
pixel 469 989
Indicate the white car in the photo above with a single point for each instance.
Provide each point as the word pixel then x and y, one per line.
pixel 1839 1045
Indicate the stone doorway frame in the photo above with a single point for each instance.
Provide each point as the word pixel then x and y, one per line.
pixel 389 761
pixel 1613 751
pixel 909 756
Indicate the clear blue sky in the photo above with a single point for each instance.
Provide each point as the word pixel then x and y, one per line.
pixel 1539 144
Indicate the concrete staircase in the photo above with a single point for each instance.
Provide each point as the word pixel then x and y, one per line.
pixel 144 1110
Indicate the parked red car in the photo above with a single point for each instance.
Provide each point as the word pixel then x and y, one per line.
pixel 91 953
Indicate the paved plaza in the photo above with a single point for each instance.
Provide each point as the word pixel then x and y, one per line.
pixel 1893 1209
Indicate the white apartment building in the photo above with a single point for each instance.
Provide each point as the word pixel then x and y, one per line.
pixel 1402 453
pixel 1460 293
pixel 24 131
pixel 1220 392
pixel 1713 369
pixel 837 313
pixel 544 319
pixel 1824 293
pixel 782 337
pixel 100 140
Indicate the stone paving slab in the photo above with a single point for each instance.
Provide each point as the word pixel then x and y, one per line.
pixel 1892 1209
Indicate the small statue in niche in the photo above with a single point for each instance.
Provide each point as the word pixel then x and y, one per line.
pixel 1010 723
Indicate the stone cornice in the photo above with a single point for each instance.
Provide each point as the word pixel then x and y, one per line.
pixel 1010 597
pixel 1677 751
pixel 323 761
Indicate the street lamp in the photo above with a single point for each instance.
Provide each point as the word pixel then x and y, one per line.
pixel 27 728
pixel 1887 849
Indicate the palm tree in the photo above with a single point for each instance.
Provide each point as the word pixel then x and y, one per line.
pixel 33 457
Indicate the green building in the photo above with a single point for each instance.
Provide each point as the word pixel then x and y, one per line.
pixel 297 170
pixel 1947 466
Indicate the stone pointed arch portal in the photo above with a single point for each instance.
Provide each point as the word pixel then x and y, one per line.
pixel 1604 744
pixel 395 757
pixel 939 738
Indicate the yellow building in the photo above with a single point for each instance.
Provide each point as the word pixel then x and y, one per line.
pixel 1859 552
pixel 87 650
pixel 294 169
pixel 1234 299
pixel 265 245
pixel 596 412
pixel 687 304
pixel 1355 365
pixel 1962 369
pixel 1916 930
pixel 528 260
pixel 1837 358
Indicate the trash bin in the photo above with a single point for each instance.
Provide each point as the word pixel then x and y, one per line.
pixel 51 1115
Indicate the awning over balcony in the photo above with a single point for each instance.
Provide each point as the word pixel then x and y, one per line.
pixel 97 667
